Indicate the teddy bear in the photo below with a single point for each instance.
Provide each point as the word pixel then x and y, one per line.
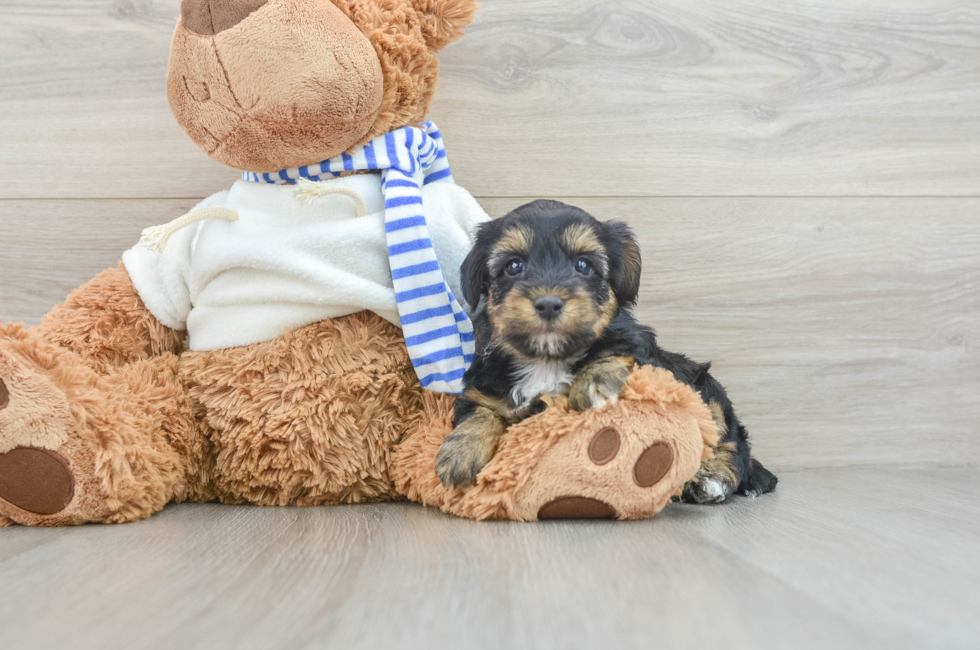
pixel 298 338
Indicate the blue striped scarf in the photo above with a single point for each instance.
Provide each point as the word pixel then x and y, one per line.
pixel 438 333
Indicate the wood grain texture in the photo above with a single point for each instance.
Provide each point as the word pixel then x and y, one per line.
pixel 552 98
pixel 840 558
pixel 846 330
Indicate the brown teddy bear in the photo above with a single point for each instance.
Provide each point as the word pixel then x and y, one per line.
pixel 267 347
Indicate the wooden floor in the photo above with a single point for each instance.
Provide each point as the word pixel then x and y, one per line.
pixel 836 558
pixel 804 177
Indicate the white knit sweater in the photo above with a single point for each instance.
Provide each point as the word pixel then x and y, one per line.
pixel 283 265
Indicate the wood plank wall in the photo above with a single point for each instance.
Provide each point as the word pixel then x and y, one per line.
pixel 804 176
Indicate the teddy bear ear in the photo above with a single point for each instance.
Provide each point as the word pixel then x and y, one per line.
pixel 443 21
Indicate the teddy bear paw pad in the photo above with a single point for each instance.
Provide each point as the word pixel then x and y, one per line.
pixel 4 395
pixel 653 464
pixel 604 446
pixel 38 481
pixel 576 508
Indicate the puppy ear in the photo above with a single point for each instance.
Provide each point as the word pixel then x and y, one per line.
pixel 624 261
pixel 474 276
pixel 443 21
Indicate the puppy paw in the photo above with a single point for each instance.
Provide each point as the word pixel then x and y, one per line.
pixel 600 383
pixel 469 448
pixel 708 486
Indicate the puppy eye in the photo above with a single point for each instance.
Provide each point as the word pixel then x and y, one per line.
pixel 583 266
pixel 514 267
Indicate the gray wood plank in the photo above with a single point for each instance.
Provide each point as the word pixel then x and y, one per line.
pixel 552 98
pixel 862 557
pixel 845 329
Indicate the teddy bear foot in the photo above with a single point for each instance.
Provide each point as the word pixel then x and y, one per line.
pixel 625 460
pixel 41 452
pixel 74 445
pixel 614 472
pixel 38 481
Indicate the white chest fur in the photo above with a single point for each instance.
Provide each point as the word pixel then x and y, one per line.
pixel 541 378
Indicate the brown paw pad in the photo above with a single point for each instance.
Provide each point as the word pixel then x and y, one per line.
pixel 653 464
pixel 576 508
pixel 39 481
pixel 4 395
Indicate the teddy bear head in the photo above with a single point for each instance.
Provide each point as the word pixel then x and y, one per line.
pixel 263 85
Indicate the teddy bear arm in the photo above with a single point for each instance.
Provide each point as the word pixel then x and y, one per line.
pixel 106 323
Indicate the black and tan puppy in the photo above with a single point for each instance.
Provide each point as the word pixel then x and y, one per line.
pixel 553 287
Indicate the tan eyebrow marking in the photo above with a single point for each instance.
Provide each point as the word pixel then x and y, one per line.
pixel 515 241
pixel 579 238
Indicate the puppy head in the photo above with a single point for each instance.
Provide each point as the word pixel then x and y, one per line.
pixel 553 277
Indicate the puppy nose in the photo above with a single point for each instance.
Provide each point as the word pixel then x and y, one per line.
pixel 209 17
pixel 549 307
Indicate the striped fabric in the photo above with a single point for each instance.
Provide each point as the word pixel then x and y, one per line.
pixel 438 333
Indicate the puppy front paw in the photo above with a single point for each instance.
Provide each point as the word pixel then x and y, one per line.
pixel 467 450
pixel 600 383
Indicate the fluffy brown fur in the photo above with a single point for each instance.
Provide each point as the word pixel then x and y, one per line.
pixel 106 323
pixel 310 418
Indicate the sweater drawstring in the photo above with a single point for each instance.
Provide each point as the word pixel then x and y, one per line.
pixel 156 238
pixel 309 191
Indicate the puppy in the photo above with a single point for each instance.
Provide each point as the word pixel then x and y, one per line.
pixel 552 288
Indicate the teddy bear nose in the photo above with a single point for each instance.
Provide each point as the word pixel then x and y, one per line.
pixel 209 17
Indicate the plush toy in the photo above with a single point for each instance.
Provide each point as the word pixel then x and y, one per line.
pixel 296 339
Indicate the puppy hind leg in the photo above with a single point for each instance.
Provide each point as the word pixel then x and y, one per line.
pixel 716 479
pixel 718 476
pixel 758 481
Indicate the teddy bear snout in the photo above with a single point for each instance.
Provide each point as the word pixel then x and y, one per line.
pixel 210 17
pixel 277 84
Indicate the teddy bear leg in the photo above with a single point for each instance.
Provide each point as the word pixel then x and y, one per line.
pixel 620 460
pixel 105 322
pixel 309 418
pixel 77 446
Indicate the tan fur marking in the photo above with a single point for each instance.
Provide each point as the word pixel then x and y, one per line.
pixel 579 313
pixel 632 264
pixel 579 238
pixel 537 292
pixel 718 415
pixel 720 466
pixel 515 312
pixel 516 240
pixel 607 311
